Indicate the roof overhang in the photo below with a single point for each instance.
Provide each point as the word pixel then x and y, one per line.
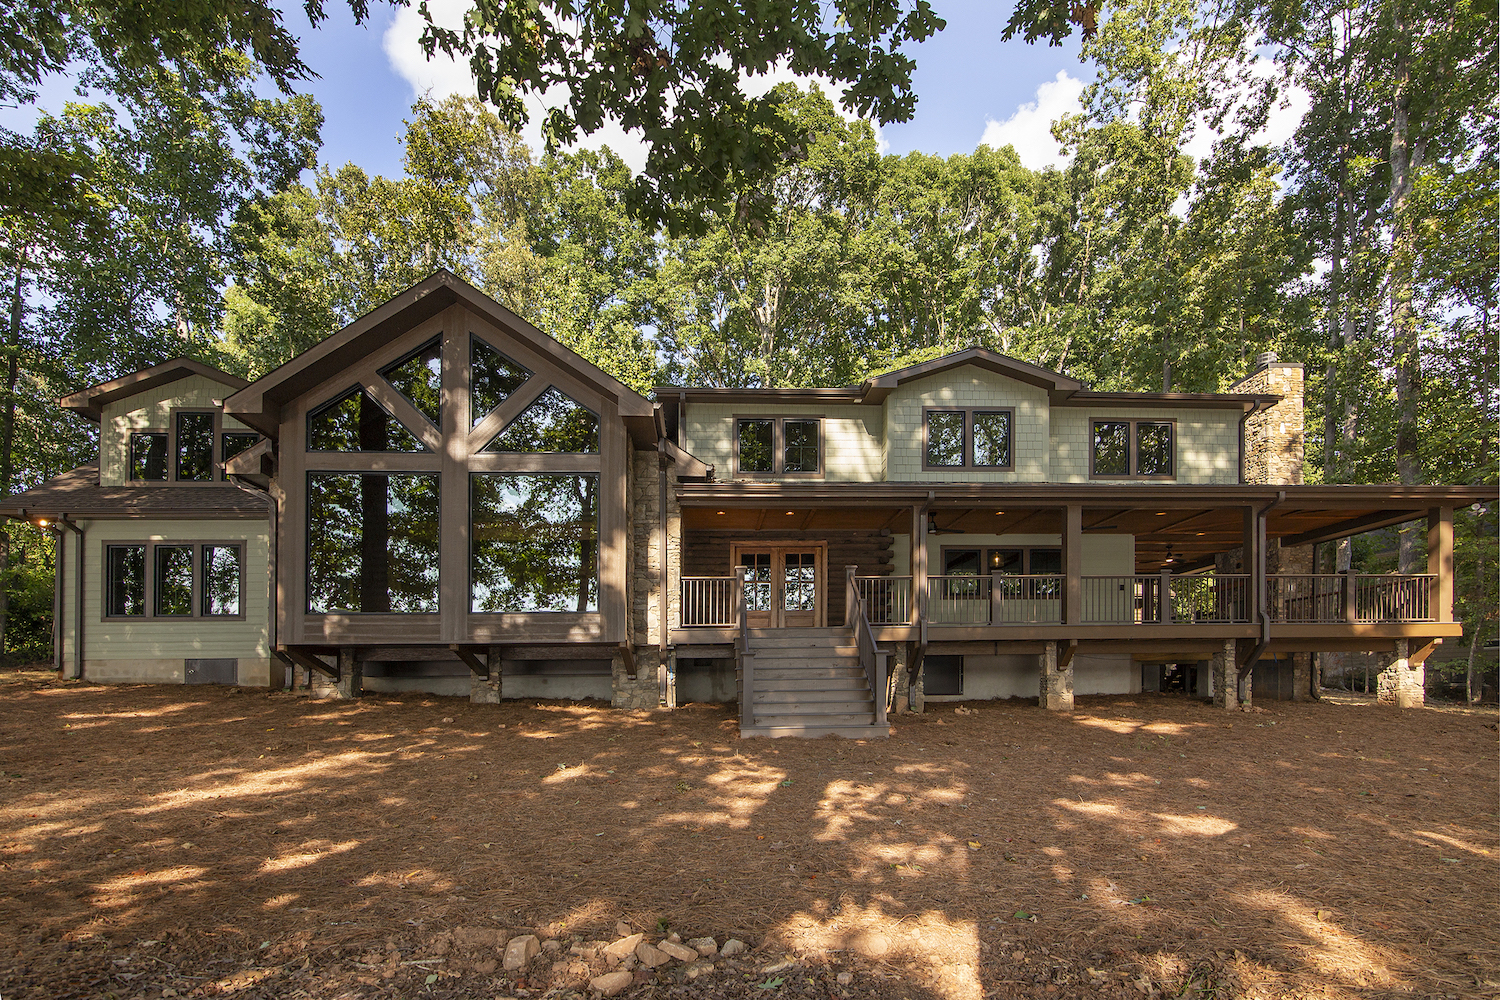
pixel 90 402
pixel 260 403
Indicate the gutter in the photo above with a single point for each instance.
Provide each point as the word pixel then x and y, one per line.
pixel 65 522
pixel 249 487
pixel 1259 584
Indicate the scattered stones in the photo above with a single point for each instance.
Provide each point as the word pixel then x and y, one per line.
pixel 705 946
pixel 680 952
pixel 774 967
pixel 651 957
pixel 675 938
pixel 552 946
pixel 622 929
pixel 698 969
pixel 625 946
pixel 448 718
pixel 733 946
pixel 611 982
pixel 520 951
pixel 845 978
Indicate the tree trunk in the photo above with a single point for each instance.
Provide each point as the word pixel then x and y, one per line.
pixel 8 436
pixel 1405 159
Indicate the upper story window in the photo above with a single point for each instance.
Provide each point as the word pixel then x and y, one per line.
pixel 555 423
pixel 786 446
pixel 186 452
pixel 1131 449
pixel 355 422
pixel 419 377
pixel 969 438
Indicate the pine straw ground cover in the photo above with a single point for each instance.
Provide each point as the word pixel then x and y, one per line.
pixel 168 841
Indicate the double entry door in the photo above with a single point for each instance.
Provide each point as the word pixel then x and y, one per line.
pixel 784 584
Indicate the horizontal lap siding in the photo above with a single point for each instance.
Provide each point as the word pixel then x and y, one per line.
pixel 707 553
pixel 197 638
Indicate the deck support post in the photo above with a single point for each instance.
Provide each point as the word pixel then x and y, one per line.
pixel 351 680
pixel 1402 681
pixel 1057 680
pixel 1440 562
pixel 1072 546
pixel 485 688
pixel 1226 671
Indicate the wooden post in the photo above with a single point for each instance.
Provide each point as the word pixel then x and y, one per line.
pixel 919 561
pixel 851 594
pixel 1164 597
pixel 1440 562
pixel 1351 597
pixel 1072 546
pixel 995 612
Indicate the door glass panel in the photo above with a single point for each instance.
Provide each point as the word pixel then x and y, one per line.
pixel 492 378
pixel 757 580
pixel 419 377
pixel 355 422
pixel 800 591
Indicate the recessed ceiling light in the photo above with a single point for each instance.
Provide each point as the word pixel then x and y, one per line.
pixel 721 512
pixel 999 512
pixel 790 513
pixel 1161 513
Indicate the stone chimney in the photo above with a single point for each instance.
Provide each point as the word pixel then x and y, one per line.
pixel 1273 434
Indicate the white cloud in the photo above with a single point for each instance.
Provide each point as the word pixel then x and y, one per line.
pixel 1029 130
pixel 442 76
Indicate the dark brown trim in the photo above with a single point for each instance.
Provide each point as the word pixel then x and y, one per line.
pixel 778 446
pixel 1133 423
pixel 90 402
pixel 149 597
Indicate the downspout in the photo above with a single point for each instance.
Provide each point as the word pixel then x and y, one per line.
pixel 1255 408
pixel 64 522
pixel 1258 583
pixel 264 494
pixel 58 571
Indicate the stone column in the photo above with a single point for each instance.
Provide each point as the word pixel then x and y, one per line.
pixel 485 689
pixel 1057 684
pixel 642 691
pixel 351 675
pixel 1302 686
pixel 1400 682
pixel 1226 677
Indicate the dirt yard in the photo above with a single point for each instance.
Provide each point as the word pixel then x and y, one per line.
pixel 168 841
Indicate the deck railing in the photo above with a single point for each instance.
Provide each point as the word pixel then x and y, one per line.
pixel 1309 598
pixel 1349 598
pixel 708 601
pixel 1210 597
pixel 1112 600
pixel 887 599
pixel 1394 598
pixel 958 600
pixel 874 660
pixel 998 599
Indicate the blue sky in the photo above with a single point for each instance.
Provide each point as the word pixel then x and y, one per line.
pixel 967 81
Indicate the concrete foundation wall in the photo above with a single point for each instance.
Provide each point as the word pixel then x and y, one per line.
pixel 250 672
pixel 711 683
pixel 994 677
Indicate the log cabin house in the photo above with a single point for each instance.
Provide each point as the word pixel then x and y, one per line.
pixel 440 497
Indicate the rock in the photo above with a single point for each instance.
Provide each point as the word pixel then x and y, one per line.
pixel 698 969
pixel 625 946
pixel 870 944
pixel 559 966
pixel 651 957
pixel 521 950
pixel 681 952
pixel 704 946
pixel 775 967
pixel 675 938
pixel 622 929
pixel 485 967
pixel 845 978
pixel 476 938
pixel 733 946
pixel 611 982
pixel 448 718
pixel 552 946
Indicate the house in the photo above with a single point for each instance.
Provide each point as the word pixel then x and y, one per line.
pixel 440 497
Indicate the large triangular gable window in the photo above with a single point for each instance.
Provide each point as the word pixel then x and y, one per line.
pixel 355 422
pixel 492 379
pixel 554 423
pixel 419 377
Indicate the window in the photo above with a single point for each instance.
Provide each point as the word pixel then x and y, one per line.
pixel 186 580
pixel 553 424
pixel 235 442
pixel 972 438
pixel 1128 449
pixel 419 377
pixel 148 456
pixel 125 580
pixel 768 446
pixel 173 581
pixel 534 542
pixel 1009 561
pixel 372 543
pixel 195 447
pixel 492 379
pixel 355 422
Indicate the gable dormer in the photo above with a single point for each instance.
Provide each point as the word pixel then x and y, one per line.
pixel 164 425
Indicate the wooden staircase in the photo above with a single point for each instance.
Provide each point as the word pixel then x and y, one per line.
pixel 807 682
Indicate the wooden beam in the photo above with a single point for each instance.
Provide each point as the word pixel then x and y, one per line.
pixel 308 661
pixel 474 663
pixel 1353 526
pixel 1065 653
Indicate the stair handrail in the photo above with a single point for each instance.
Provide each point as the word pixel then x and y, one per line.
pixel 742 651
pixel 871 657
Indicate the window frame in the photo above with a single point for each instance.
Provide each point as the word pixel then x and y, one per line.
pixel 215 461
pixel 968 464
pixel 985 549
pixel 778 446
pixel 1131 448
pixel 149 597
pixel 130 456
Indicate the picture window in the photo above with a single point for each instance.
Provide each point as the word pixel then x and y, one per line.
pixel 148 456
pixel 968 438
pixel 1131 449
pixel 774 446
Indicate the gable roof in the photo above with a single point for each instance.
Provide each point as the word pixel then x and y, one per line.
pixel 1061 390
pixel 90 402
pixel 259 404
